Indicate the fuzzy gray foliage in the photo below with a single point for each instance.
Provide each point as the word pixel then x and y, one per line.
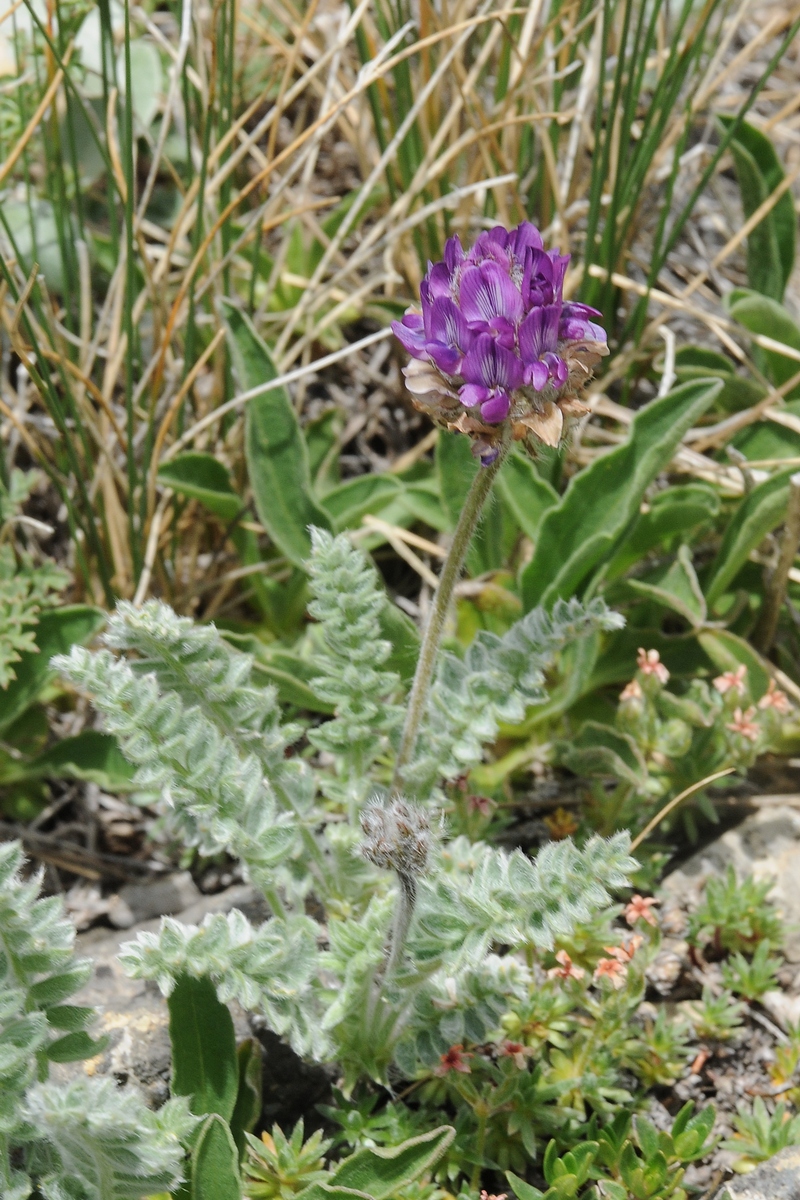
pixel 222 799
pixel 347 602
pixel 496 680
pixel 109 1144
pixel 270 969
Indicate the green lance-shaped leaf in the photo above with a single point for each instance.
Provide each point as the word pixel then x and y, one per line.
pixel 676 510
pixel 771 243
pixel 602 751
pixel 247 1109
pixel 203 477
pixel 215 1163
pixel 58 629
pixel 89 755
pixel 348 502
pixel 380 1173
pixel 525 492
pixel 760 314
pixel 758 514
pixel 204 1063
pixel 275 449
pixel 585 529
pixel 676 586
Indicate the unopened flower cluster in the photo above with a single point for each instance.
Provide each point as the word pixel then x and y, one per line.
pixel 496 342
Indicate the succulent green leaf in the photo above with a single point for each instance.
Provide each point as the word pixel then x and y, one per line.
pixel 760 314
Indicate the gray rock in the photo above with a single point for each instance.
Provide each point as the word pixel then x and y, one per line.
pixel 766 845
pixel 777 1179
pixel 156 898
pixel 132 1012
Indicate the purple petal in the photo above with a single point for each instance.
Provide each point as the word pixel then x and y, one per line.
pixel 573 309
pixel 410 333
pixel 487 291
pixel 440 280
pixel 522 238
pixel 486 454
pixel 597 332
pixel 453 253
pixel 446 358
pixel 558 369
pixel 573 329
pixel 491 365
pixel 448 325
pixel 496 409
pixel 536 375
pixel 538 333
pixel 473 393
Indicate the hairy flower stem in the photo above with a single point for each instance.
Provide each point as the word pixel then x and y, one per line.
pixel 429 651
pixel 404 911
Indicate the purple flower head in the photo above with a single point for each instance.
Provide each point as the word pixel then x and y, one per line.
pixel 499 338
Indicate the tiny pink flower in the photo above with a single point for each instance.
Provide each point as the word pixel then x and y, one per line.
pixel 732 681
pixel 567 970
pixel 649 663
pixel 491 1195
pixel 517 1051
pixel 611 969
pixel 775 698
pixel 625 953
pixel 744 725
pixel 453 1060
pixel 481 804
pixel 639 908
pixel 631 691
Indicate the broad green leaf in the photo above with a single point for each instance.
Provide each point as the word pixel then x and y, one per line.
pixel 771 244
pixel 381 1172
pixel 727 651
pixel 403 634
pixel 147 78
pixel 74 1047
pixel 215 1163
pixel 584 529
pixel 525 492
pixel 760 314
pixel 758 514
pixel 767 439
pixel 676 586
pixel 203 477
pixel 601 750
pixel 275 449
pixel 676 510
pixel 700 358
pixel 696 362
pixel 204 1063
pixel 58 629
pixel 89 755
pixel 247 1109
pixel 456 468
pixel 322 439
pixel 347 503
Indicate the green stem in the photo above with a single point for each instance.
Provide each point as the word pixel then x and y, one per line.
pixel 482 1116
pixel 429 651
pixel 404 911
